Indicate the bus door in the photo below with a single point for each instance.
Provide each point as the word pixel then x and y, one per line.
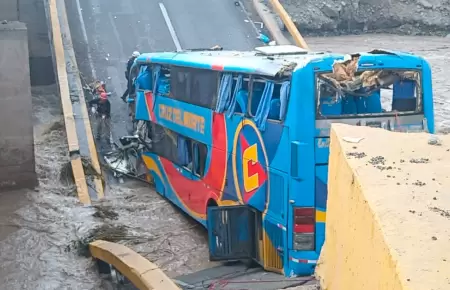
pixel 233 233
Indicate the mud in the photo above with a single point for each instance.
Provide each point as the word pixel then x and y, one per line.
pixel 36 227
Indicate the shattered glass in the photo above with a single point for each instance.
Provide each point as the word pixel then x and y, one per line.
pixel 367 91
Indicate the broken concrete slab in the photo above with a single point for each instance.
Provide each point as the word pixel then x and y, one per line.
pixel 388 220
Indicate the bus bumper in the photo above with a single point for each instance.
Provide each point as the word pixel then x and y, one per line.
pixel 301 263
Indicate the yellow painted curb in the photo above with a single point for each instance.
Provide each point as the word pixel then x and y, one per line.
pixel 141 272
pixel 69 121
pixel 87 124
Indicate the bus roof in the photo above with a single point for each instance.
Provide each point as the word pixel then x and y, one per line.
pixel 267 61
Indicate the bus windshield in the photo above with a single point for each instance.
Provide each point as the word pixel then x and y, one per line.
pixel 346 93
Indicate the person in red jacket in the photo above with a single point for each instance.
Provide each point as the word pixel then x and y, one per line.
pixel 103 115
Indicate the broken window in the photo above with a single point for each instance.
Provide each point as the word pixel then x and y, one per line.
pixel 269 99
pixel 347 91
pixel 162 81
pixel 181 150
pixel 166 144
pixel 199 153
pixel 196 154
pixel 144 79
pixel 239 90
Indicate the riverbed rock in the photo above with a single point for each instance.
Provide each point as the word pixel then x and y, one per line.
pixel 426 17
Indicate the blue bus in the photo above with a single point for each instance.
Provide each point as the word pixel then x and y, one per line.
pixel 240 140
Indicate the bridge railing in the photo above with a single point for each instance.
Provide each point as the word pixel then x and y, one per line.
pixel 142 273
pixel 78 128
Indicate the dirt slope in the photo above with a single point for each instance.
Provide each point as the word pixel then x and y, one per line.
pixel 415 17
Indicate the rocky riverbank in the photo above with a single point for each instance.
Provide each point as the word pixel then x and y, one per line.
pixel 336 17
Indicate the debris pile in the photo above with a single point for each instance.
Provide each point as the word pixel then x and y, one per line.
pixel 106 232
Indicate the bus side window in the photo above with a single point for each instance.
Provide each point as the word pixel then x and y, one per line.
pixel 329 103
pixel 144 79
pixel 205 84
pixel 275 104
pixel 242 94
pixel 255 97
pixel 275 109
pixel 167 144
pixel 163 86
pixel 194 86
pixel 199 153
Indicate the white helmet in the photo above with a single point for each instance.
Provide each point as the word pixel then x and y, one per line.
pixel 136 54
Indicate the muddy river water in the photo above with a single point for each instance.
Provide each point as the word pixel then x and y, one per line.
pixel 37 226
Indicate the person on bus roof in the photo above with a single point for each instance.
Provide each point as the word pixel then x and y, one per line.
pixel 130 62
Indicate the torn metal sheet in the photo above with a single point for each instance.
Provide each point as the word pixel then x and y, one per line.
pixel 126 158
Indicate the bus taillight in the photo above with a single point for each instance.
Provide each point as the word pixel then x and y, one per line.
pixel 304 228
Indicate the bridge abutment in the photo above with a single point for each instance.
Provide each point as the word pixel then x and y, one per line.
pixel 26 60
pixel 17 164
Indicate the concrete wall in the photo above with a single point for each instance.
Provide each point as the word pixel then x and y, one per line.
pixel 388 223
pixel 32 12
pixel 17 165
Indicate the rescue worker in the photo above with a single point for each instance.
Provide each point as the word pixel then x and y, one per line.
pixel 130 62
pixel 103 114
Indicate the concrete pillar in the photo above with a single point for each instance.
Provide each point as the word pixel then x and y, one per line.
pixel 32 12
pixel 17 165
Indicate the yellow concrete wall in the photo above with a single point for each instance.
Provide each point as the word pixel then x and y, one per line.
pixel 384 230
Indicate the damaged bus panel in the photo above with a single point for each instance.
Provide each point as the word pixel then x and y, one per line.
pixel 239 140
pixel 372 95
